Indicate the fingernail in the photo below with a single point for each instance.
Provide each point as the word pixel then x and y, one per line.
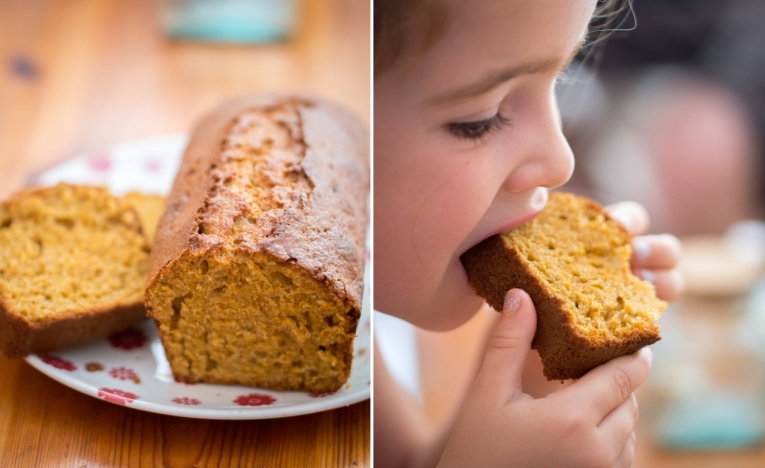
pixel 648 353
pixel 677 246
pixel 642 249
pixel 512 303
pixel 647 275
pixel 624 219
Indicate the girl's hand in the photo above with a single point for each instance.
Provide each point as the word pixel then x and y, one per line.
pixel 653 257
pixel 589 423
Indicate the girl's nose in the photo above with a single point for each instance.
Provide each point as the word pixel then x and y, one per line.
pixel 548 160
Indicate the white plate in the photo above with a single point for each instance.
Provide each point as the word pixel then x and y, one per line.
pixel 129 368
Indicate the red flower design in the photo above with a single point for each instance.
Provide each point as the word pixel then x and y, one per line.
pixel 321 395
pixel 186 401
pixel 100 162
pixel 128 339
pixel 117 396
pixel 124 373
pixel 153 165
pixel 254 399
pixel 57 362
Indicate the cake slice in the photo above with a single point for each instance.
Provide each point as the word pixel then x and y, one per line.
pixel 73 266
pixel 573 260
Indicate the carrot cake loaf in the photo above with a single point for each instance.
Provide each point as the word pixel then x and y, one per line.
pixel 256 270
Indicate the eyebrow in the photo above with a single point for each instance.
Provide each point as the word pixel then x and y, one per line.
pixel 494 79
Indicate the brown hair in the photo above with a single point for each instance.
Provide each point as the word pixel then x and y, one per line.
pixel 405 24
pixel 415 25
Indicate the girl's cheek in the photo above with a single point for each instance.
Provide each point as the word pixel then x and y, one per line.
pixel 459 193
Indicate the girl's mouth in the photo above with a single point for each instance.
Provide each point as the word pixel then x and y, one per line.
pixel 536 205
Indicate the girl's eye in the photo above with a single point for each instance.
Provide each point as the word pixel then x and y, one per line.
pixel 479 129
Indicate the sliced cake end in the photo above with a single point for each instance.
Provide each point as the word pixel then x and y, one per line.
pixel 73 266
pixel 573 260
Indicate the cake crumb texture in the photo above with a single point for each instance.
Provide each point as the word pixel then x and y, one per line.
pixel 573 260
pixel 259 256
pixel 73 266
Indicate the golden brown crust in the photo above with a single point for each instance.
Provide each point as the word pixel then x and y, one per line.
pixel 20 337
pixel 494 267
pixel 314 238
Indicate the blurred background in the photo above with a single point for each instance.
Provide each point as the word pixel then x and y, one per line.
pixel 670 114
pixel 79 76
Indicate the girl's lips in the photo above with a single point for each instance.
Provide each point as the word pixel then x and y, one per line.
pixel 536 205
pixel 506 227
pixel 517 222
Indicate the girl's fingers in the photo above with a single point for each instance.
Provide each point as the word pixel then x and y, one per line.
pixel 627 455
pixel 659 252
pixel 616 430
pixel 607 386
pixel 632 215
pixel 500 376
pixel 669 284
pixel 619 423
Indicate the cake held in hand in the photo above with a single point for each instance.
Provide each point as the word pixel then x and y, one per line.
pixel 73 266
pixel 573 260
pixel 256 270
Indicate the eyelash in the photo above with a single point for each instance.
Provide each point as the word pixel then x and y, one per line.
pixel 477 130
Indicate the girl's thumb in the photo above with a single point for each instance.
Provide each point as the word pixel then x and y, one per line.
pixel 508 347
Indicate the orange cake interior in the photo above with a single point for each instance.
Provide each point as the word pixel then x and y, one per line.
pixel 584 260
pixel 251 320
pixel 69 249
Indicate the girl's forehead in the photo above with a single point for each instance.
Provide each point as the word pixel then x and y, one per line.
pixel 484 36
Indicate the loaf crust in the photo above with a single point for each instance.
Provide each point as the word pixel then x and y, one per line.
pixel 313 226
pixel 21 337
pixel 495 266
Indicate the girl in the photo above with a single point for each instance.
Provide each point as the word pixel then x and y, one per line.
pixel 467 142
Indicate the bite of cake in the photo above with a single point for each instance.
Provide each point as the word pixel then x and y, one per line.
pixel 573 260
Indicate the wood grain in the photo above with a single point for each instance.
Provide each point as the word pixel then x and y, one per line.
pixel 77 76
pixel 43 423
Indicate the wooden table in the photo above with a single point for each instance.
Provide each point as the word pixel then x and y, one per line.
pixel 78 76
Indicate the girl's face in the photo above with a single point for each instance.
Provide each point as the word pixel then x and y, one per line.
pixel 467 141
